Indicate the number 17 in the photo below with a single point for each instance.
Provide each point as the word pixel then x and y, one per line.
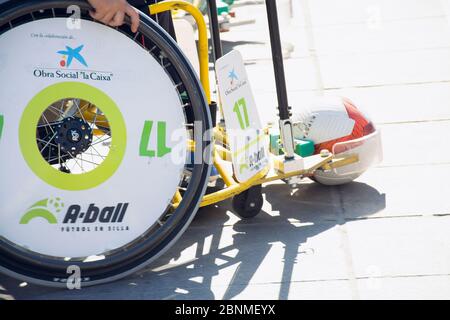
pixel 243 119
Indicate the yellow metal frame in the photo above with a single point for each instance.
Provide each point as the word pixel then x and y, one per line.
pixel 203 52
pixel 222 153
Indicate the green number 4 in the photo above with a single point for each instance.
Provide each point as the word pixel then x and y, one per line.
pixel 1 125
pixel 162 149
pixel 240 108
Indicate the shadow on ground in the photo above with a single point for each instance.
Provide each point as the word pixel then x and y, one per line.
pixel 315 209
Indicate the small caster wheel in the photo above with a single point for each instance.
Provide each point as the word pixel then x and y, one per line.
pixel 248 203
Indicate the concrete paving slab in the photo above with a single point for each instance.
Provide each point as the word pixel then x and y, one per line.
pixel 305 290
pixel 292 251
pixel 400 247
pixel 399 103
pixel 222 265
pixel 399 191
pixel 416 143
pixel 257 12
pixel 390 288
pixel 328 12
pixel 385 104
pixel 409 288
pixel 398 35
pixel 385 68
pixel 310 202
pixel 396 32
pixel 256 45
pixel 300 75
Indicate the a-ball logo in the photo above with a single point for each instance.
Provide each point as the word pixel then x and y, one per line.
pixel 49 209
pixel 94 214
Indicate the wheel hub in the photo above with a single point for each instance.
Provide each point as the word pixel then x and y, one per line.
pixel 74 136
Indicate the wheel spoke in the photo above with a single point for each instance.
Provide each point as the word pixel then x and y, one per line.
pixel 91 162
pixel 93 155
pixel 55 111
pixel 98 153
pixel 74 159
pixel 96 143
pixel 46 120
pixel 95 119
pixel 59 156
pixel 79 110
pixel 47 142
pixel 49 125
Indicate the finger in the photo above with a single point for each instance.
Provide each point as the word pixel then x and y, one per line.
pixel 118 19
pixel 107 19
pixel 98 15
pixel 134 16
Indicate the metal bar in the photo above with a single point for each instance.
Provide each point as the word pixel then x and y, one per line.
pixel 224 153
pixel 178 197
pixel 202 36
pixel 220 136
pixel 233 190
pixel 263 177
pixel 229 181
pixel 215 32
pixel 277 56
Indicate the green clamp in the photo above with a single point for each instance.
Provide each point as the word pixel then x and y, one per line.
pixel 304 148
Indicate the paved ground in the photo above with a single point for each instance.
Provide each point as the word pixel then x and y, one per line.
pixel 385 236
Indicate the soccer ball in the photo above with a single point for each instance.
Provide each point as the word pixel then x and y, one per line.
pixel 330 121
pixel 55 204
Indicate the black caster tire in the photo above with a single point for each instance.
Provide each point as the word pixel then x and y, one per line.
pixel 248 204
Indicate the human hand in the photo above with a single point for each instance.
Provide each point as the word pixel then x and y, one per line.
pixel 112 13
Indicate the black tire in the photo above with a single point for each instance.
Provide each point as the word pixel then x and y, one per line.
pixel 248 204
pixel 45 270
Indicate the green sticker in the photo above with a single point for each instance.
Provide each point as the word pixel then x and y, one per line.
pixel 144 150
pixel 240 108
pixel 162 138
pixel 1 124
pixel 162 149
pixel 34 159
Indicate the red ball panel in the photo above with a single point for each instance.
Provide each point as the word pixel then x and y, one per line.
pixel 362 127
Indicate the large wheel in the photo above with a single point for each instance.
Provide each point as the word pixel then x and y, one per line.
pixel 94 130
